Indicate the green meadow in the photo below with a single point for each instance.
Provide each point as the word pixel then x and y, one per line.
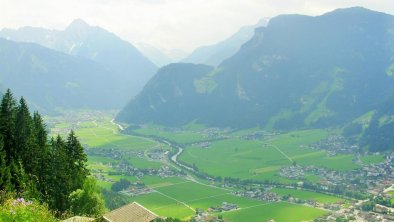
pixel 280 212
pixel 193 134
pixel 261 159
pixel 372 159
pixel 181 199
pixel 234 157
pixel 307 195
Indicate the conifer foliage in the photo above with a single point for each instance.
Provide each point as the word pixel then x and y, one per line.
pixel 32 166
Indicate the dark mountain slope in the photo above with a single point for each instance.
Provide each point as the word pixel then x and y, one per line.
pixel 297 72
pixel 168 94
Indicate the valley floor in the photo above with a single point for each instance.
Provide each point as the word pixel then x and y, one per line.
pixel 246 174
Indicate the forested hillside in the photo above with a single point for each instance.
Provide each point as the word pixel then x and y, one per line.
pixel 51 171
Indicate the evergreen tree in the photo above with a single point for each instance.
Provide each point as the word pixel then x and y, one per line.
pixel 76 161
pixel 34 168
pixel 40 131
pixel 5 174
pixel 25 145
pixel 18 176
pixel 7 125
pixel 59 180
pixel 40 134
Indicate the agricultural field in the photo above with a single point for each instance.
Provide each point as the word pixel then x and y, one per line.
pixel 220 153
pixel 371 159
pixel 96 130
pixel 281 211
pixel 261 159
pixel 307 195
pixel 189 134
pixel 183 198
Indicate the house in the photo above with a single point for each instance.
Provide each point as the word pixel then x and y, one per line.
pixel 133 212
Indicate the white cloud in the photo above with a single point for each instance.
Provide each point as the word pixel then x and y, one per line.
pixel 168 24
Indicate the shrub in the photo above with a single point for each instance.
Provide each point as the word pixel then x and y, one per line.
pixel 20 210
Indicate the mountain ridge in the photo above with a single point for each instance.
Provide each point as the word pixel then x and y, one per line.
pixel 299 71
pixel 130 69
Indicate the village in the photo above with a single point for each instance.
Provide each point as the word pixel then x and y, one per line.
pixel 366 182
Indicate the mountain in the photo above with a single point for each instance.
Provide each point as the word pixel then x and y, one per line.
pixel 214 54
pixel 129 69
pixel 174 86
pixel 155 55
pixel 53 80
pixel 298 72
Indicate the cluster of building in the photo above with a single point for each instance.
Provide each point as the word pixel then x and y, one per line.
pixel 114 153
pixel 224 207
pixel 205 144
pixel 203 216
pixel 124 168
pixel 353 213
pixel 335 144
pixel 158 154
pixel 259 194
pixel 293 172
pixel 136 191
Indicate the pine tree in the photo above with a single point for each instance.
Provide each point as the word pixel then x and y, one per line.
pixel 32 167
pixel 7 125
pixel 59 180
pixel 25 144
pixel 17 176
pixel 40 134
pixel 5 174
pixel 76 161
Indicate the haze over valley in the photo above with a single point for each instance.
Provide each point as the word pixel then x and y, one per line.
pixel 215 111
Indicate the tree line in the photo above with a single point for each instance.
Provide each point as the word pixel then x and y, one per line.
pixel 32 165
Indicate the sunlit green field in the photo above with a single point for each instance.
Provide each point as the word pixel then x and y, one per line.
pixel 261 159
pixel 181 199
pixel 371 159
pixel 232 157
pixel 280 212
pixel 106 135
pixel 186 136
pixel 307 195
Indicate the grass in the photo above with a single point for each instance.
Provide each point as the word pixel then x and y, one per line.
pixel 261 159
pixel 205 203
pixel 307 195
pixel 392 195
pixel 180 199
pixel 339 162
pixel 189 191
pixel 184 137
pixel 372 159
pixel 235 158
pixel 104 136
pixel 280 212
pixel 164 206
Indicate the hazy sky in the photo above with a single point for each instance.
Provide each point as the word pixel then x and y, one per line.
pixel 167 24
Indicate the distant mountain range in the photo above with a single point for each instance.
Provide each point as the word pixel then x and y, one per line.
pixel 298 72
pixel 54 80
pixel 127 69
pixel 215 54
pixel 155 55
